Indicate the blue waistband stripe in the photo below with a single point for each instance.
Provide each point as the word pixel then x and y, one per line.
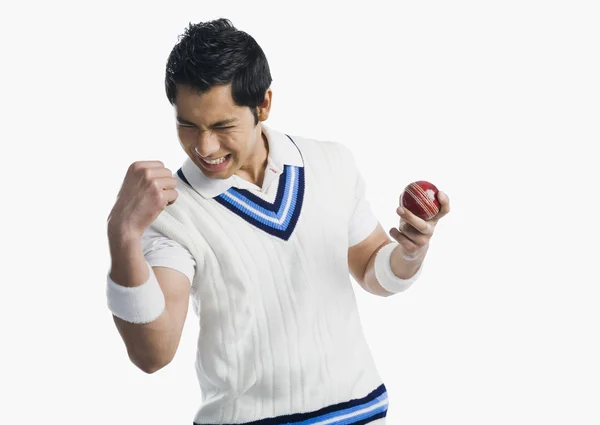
pixel 354 412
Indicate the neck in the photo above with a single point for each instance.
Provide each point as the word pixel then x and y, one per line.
pixel 254 172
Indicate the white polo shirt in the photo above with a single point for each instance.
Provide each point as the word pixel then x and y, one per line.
pixel 280 335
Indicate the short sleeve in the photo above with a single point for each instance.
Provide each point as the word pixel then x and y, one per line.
pixel 363 221
pixel 160 251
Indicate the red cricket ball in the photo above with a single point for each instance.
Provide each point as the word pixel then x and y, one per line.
pixel 420 198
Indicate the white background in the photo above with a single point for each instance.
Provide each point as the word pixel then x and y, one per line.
pixel 497 103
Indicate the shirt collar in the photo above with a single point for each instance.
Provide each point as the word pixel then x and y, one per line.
pixel 282 151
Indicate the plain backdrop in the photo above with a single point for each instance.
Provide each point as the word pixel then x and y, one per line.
pixel 496 102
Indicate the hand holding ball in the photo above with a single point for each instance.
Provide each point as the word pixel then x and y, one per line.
pixel 420 198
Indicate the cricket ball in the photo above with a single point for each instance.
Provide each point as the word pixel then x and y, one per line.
pixel 420 198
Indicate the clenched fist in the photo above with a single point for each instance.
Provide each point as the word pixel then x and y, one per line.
pixel 147 189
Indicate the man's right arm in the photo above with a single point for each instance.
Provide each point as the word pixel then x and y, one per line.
pixel 150 346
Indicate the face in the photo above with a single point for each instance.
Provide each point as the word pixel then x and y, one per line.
pixel 220 137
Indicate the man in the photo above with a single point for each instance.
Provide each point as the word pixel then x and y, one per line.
pixel 261 229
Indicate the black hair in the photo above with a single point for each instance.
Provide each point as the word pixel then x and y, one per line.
pixel 216 53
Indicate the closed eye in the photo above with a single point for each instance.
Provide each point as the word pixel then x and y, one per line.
pixel 180 124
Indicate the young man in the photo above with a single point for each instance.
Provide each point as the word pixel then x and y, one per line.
pixel 261 229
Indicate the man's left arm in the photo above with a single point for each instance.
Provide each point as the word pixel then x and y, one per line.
pixel 400 258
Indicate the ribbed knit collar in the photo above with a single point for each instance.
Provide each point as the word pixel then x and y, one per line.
pixel 282 151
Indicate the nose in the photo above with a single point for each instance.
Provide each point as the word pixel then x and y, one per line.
pixel 207 144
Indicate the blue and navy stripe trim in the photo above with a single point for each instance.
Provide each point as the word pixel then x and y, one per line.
pixel 278 218
pixel 355 412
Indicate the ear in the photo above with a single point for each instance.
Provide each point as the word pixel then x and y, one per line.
pixel 265 108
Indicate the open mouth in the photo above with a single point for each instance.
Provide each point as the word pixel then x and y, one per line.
pixel 216 164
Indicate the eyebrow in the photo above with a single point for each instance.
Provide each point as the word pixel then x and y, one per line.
pixel 216 124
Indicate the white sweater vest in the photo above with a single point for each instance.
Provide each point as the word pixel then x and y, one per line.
pixel 280 332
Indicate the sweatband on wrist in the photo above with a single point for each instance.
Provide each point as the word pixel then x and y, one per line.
pixel 385 275
pixel 138 304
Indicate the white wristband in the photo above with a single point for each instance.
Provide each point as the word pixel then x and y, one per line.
pixel 385 275
pixel 139 304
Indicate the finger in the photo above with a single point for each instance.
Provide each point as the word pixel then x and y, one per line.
pixel 138 165
pixel 418 223
pixel 444 201
pixel 414 235
pixel 408 246
pixel 162 172
pixel 170 196
pixel 154 173
pixel 166 183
